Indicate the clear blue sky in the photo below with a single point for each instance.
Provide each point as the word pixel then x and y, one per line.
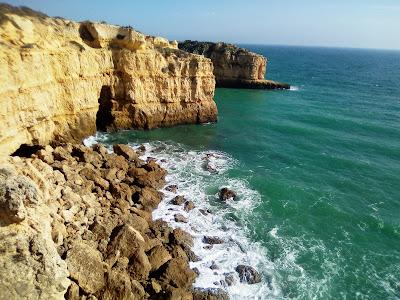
pixel 338 23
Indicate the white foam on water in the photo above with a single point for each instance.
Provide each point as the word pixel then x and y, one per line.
pixel 199 175
pixel 294 88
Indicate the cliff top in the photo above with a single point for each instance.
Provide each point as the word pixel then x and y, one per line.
pixel 26 28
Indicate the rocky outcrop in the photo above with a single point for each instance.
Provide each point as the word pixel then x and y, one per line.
pixel 233 66
pixel 61 80
pixel 76 224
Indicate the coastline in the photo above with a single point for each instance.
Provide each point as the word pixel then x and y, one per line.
pixel 90 214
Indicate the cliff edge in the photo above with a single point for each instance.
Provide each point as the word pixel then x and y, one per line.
pixel 233 66
pixel 61 80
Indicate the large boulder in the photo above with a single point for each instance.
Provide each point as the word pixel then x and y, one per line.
pixel 127 242
pixel 177 273
pixel 158 256
pixel 86 267
pixel 125 151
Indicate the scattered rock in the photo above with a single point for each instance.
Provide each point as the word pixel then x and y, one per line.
pixel 248 274
pixel 172 188
pixel 189 205
pixel 141 149
pixel 180 218
pixel 226 194
pixel 178 200
pixel 205 212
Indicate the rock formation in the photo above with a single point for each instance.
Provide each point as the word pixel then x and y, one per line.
pixel 57 77
pixel 233 66
pixel 76 222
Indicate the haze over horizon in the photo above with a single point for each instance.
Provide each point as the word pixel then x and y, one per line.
pixel 354 24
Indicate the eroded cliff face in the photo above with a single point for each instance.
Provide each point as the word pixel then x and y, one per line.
pixel 234 66
pixel 56 76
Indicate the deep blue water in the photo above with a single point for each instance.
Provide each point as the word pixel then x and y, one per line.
pixel 324 163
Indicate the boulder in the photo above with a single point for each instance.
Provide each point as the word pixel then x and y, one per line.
pixel 126 242
pixel 248 274
pixel 125 151
pixel 176 272
pixel 180 218
pixel 189 205
pixel 178 200
pixel 226 194
pixel 116 161
pixel 181 237
pixel 16 193
pixel 139 266
pixel 172 188
pixel 158 256
pixel 148 197
pixel 86 267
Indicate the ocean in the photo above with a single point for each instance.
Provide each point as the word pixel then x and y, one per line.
pixel 317 173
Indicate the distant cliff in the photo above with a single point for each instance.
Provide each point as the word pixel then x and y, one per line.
pixel 234 66
pixel 62 80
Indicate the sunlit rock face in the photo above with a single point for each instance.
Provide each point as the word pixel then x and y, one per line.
pixel 57 76
pixel 233 66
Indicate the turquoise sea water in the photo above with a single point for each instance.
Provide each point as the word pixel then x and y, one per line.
pixel 317 169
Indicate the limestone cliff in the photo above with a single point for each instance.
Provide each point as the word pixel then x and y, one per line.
pixel 56 76
pixel 234 66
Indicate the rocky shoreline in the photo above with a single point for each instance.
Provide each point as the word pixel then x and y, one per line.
pixel 76 222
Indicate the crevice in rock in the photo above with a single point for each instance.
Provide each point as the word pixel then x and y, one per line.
pixel 85 33
pixel 27 150
pixel 104 117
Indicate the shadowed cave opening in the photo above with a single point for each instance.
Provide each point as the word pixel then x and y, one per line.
pixel 104 117
pixel 85 33
pixel 27 150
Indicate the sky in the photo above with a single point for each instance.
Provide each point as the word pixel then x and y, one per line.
pixel 328 23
